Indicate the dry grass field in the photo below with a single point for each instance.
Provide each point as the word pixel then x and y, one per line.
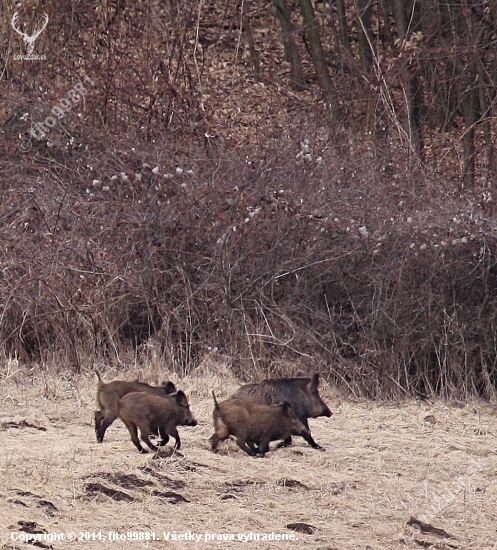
pixel 394 475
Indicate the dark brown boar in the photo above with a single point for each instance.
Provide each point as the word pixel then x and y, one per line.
pixel 152 414
pixel 108 396
pixel 254 425
pixel 301 393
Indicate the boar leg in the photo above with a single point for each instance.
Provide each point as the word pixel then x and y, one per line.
pixel 285 443
pixel 288 441
pixel 263 447
pixel 104 424
pixel 251 444
pixel 145 437
pixel 175 434
pixel 163 436
pixel 222 433
pixel 99 415
pixel 241 443
pixel 133 432
pixel 312 443
pixel 308 436
pixel 215 439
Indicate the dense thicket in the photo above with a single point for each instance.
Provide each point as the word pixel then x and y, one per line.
pixel 295 186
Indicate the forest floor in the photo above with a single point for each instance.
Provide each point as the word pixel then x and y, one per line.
pixel 412 474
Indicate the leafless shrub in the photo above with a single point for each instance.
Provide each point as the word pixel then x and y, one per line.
pixel 318 247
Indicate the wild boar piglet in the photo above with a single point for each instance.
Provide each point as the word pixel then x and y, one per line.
pixel 301 393
pixel 154 414
pixel 254 425
pixel 109 394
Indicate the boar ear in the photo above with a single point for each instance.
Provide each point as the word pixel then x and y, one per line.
pixel 181 399
pixel 287 409
pixel 169 387
pixel 314 383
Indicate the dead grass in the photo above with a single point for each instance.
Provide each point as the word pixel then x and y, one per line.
pixel 385 464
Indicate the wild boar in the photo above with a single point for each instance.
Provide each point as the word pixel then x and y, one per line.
pixel 108 396
pixel 254 424
pixel 301 393
pixel 151 413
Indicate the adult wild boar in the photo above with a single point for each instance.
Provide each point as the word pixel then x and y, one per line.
pixel 301 393
pixel 152 413
pixel 108 395
pixel 254 425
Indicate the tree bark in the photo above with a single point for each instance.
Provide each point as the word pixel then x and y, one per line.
pixel 385 12
pixel 470 115
pixel 364 33
pixel 348 57
pixel 292 54
pixel 412 87
pixel 318 57
pixel 250 38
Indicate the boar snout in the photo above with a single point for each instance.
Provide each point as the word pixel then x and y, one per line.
pixel 317 407
pixel 325 411
pixel 191 422
pixel 186 417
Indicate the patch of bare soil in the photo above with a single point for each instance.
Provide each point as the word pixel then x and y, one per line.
pixel 396 475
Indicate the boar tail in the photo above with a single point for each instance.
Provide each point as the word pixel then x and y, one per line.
pixel 99 377
pixel 216 404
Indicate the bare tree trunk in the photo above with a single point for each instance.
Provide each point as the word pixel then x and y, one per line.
pixel 412 87
pixel 347 59
pixel 385 13
pixel 400 18
pixel 364 33
pixel 485 110
pixel 291 51
pixel 250 38
pixel 415 104
pixel 470 115
pixel 467 33
pixel 318 57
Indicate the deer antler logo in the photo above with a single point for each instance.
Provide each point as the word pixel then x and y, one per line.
pixel 29 40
